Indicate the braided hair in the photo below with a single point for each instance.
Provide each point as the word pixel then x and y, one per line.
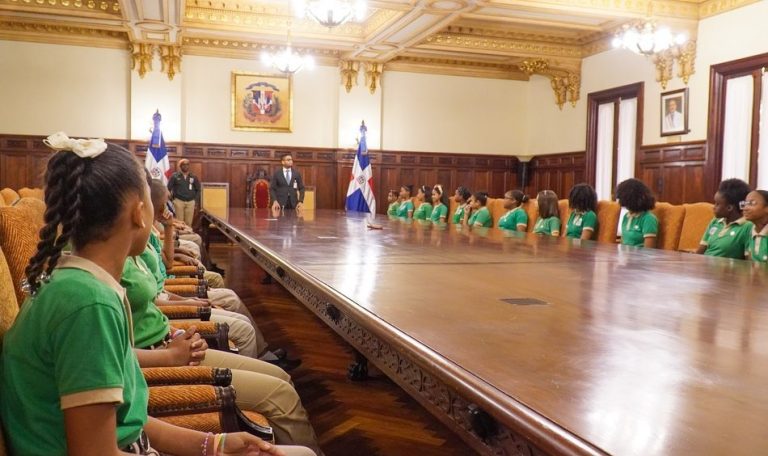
pixel 83 199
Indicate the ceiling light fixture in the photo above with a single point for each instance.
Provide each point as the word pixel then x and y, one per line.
pixel 646 38
pixel 331 13
pixel 287 61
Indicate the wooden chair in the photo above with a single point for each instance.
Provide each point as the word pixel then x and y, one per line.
pixel 565 212
pixel 697 218
pixel 670 225
pixel 607 221
pixel 9 196
pixel 496 206
pixel 532 209
pixel 452 206
pixel 199 398
pixel 257 190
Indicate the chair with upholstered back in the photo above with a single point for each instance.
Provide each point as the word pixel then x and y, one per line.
pixel 31 193
pixel 608 213
pixel 565 212
pixel 9 195
pixel 697 218
pixel 496 206
pixel 531 208
pixel 260 194
pixel 9 308
pixel 452 206
pixel 670 224
pixel 19 230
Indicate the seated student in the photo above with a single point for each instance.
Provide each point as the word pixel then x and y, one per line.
pixel 439 205
pixel 549 214
pixel 516 219
pixel 582 223
pixel 480 216
pixel 394 202
pixel 461 196
pixel 639 226
pixel 728 234
pixel 424 196
pixel 69 378
pixel 755 209
pixel 406 205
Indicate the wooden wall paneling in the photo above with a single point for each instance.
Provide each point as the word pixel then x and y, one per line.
pixel 446 179
pixel 238 176
pixel 215 171
pixel 482 180
pixel 677 173
pixel 36 165
pixel 427 176
pixel 15 170
pixel 326 195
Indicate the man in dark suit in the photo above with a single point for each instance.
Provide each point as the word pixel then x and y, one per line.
pixel 286 189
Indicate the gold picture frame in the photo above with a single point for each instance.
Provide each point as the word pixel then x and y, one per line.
pixel 262 102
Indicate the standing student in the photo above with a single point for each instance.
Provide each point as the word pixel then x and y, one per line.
pixel 394 202
pixel 582 223
pixel 439 205
pixel 755 209
pixel 185 191
pixel 69 378
pixel 548 222
pixel 286 189
pixel 461 196
pixel 406 205
pixel 480 216
pixel 516 219
pixel 639 227
pixel 729 233
pixel 424 197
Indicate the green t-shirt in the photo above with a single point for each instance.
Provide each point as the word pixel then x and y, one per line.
pixel 157 245
pixel 481 216
pixel 404 208
pixel 578 222
pixel 70 346
pixel 392 209
pixel 635 228
pixel 514 218
pixel 150 325
pixel 152 260
pixel 727 240
pixel 458 216
pixel 423 212
pixel 758 245
pixel 549 226
pixel 441 210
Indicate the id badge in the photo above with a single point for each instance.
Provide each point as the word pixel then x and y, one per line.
pixel 295 185
pixel 191 181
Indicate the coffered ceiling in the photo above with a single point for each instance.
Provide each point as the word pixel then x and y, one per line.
pixel 489 38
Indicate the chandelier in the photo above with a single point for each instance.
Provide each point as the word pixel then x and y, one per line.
pixel 331 13
pixel 287 61
pixel 646 38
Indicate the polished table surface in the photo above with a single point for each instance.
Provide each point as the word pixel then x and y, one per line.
pixel 637 352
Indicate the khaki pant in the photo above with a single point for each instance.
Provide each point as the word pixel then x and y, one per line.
pixel 192 237
pixel 185 210
pixel 265 388
pixel 246 337
pixel 191 246
pixel 228 300
pixel 214 279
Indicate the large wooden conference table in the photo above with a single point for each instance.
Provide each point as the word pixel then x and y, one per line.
pixel 569 347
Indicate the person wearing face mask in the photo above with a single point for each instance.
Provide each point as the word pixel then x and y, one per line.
pixel 185 191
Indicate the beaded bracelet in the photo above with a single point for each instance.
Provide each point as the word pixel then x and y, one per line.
pixel 204 446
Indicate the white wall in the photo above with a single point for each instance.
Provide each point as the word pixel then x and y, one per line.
pixel 45 88
pixel 425 112
pixel 206 94
pixel 154 92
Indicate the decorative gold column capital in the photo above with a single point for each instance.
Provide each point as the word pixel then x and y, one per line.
pixel 170 57
pixel 141 58
pixel 664 62
pixel 349 70
pixel 565 84
pixel 373 71
pixel 686 60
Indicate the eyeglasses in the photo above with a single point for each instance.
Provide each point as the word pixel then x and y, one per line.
pixel 743 204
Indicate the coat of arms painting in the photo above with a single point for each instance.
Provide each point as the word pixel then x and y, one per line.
pixel 261 102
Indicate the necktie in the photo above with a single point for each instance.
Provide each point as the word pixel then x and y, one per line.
pixel 288 176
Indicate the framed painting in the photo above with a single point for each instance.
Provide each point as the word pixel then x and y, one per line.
pixel 674 112
pixel 261 102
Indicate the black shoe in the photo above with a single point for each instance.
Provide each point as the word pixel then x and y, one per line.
pixel 217 269
pixel 286 364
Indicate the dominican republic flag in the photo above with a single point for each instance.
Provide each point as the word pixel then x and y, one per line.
pixel 360 191
pixel 157 156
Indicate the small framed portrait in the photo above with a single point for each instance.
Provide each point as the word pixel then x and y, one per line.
pixel 674 112
pixel 261 102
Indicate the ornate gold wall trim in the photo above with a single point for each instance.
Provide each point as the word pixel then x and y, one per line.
pixel 516 47
pixel 714 7
pixel 53 33
pixel 455 67
pixel 102 7
pixel 240 49
pixel 566 84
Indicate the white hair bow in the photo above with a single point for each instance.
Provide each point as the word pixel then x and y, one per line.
pixel 83 148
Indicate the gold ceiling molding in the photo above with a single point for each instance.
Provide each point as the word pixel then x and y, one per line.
pixel 714 7
pixel 684 56
pixel 566 84
pixel 510 34
pixel 241 49
pixel 522 48
pixel 379 19
pixel 56 33
pixel 111 7
pixel 170 57
pixel 373 71
pixel 455 67
pixel 141 58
